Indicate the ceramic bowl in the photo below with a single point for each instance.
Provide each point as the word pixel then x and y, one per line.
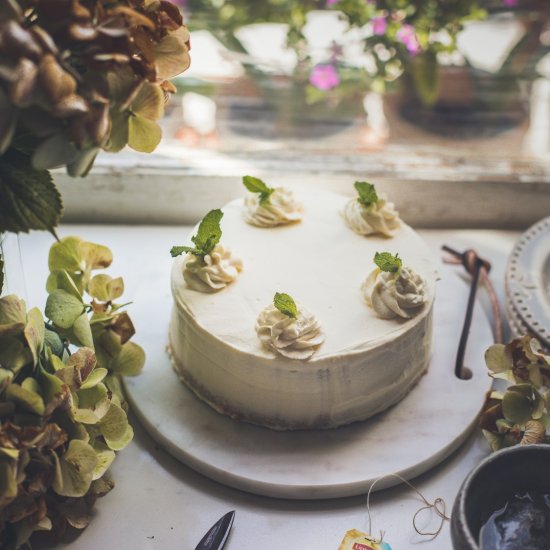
pixel 492 483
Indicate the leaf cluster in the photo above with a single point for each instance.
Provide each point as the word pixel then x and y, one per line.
pixel 62 411
pixel 207 237
pixel 520 414
pixel 256 185
pixel 77 77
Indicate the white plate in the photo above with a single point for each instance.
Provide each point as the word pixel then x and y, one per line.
pixel 409 438
pixel 528 281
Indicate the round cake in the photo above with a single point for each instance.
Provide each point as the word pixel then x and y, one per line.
pixel 362 364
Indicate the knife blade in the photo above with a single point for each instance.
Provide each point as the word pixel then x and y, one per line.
pixel 216 537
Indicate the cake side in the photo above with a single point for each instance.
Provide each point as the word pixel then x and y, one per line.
pixel 288 394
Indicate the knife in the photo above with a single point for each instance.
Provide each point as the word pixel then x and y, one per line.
pixel 216 536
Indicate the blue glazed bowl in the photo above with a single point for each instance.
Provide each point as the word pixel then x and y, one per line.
pixel 494 482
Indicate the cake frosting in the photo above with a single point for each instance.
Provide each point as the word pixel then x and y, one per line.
pixel 365 364
pixel 293 338
pixel 378 218
pixel 279 209
pixel 400 294
pixel 212 272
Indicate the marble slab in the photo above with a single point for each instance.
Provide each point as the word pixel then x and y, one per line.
pixel 408 439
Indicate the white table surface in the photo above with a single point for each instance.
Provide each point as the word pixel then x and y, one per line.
pixel 158 503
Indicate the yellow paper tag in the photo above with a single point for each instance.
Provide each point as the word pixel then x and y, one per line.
pixel 356 540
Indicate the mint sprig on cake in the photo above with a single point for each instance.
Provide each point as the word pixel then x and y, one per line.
pixel 386 261
pixel 370 213
pixel 285 304
pixel 269 206
pixel 367 193
pixel 392 290
pixel 256 185
pixel 210 267
pixel 208 236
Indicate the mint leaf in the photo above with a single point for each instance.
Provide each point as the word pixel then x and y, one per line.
pixel 209 232
pixel 207 237
pixel 367 193
pixel 388 262
pixel 28 197
pixel 256 185
pixel 179 250
pixel 285 304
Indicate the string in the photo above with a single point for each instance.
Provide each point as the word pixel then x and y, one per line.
pixel 438 505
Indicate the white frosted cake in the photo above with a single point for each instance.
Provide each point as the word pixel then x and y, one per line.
pixel 352 362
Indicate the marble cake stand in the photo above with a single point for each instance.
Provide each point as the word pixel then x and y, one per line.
pixel 408 439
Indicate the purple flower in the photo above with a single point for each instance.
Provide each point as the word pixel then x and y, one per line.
pixel 332 2
pixel 379 25
pixel 406 35
pixel 510 3
pixel 324 77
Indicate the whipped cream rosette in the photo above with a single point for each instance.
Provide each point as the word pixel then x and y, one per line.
pixel 213 271
pixel 371 213
pixel 208 266
pixel 268 206
pixel 393 290
pixel 288 330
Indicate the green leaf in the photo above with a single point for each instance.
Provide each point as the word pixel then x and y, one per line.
pixel 13 315
pixel 498 358
pixel 97 287
pixel 285 304
pixel 209 232
pixel 517 404
pixel 143 134
pixel 53 342
pixel 149 102
pixel 13 354
pixel 63 308
pixel 82 164
pixel 179 250
pixel 66 255
pixel 94 397
pixel 115 288
pixel 130 360
pixel 34 332
pixel 94 378
pixel 118 139
pixel 105 458
pixel 54 152
pixel 96 256
pixel 121 442
pixel 386 261
pixel 28 197
pixel 82 331
pixel 367 193
pixel 25 398
pixel 115 428
pixel 172 54
pixel 75 469
pixel 256 185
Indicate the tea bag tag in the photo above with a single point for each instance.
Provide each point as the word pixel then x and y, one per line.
pixel 356 540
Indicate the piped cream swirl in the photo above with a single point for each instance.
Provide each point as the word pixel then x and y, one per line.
pixel 213 272
pixel 380 217
pixel 282 208
pixel 393 295
pixel 293 338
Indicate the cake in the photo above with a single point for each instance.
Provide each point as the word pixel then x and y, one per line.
pixel 365 349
